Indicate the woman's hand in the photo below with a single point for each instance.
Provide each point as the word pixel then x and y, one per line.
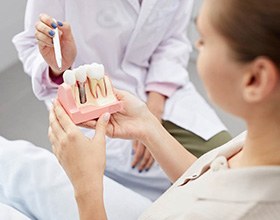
pixel 132 122
pixel 44 34
pixel 82 158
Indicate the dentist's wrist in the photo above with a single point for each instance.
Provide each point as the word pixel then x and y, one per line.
pixel 55 77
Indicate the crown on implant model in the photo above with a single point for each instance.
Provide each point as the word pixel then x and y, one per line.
pixel 81 77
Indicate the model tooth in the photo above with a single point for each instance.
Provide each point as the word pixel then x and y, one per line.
pixel 92 81
pixel 81 74
pixel 85 68
pixel 69 77
pixel 100 73
pixel 93 87
pixel 98 70
pixel 102 86
pixel 96 77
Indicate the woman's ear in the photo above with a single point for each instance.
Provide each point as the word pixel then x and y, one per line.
pixel 260 80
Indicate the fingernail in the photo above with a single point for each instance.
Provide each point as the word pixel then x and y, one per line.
pixel 132 152
pixel 139 171
pixel 60 23
pixel 54 25
pixel 147 170
pixel 106 117
pixel 51 33
pixel 133 167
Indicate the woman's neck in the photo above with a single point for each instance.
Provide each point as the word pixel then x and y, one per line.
pixel 261 147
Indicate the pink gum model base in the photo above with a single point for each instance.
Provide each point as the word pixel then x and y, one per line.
pixel 83 114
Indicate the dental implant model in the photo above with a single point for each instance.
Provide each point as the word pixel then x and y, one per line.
pixel 87 93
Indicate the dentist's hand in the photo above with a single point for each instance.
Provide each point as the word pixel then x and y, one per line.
pixel 143 159
pixel 82 158
pixel 44 34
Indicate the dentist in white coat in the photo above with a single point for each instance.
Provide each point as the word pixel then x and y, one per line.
pixel 144 49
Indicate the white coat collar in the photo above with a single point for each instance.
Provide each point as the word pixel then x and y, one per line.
pixel 146 5
pixel 135 5
pixel 146 17
pixel 146 9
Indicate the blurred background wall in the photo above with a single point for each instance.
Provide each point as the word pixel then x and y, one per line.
pixel 11 15
pixel 22 116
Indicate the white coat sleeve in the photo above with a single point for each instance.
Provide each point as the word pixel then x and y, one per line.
pixel 169 62
pixel 26 44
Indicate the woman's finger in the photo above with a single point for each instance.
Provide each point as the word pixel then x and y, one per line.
pixel 89 124
pixel 53 140
pixel 101 125
pixel 66 123
pixel 56 129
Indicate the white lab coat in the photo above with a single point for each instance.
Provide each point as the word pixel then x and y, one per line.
pixel 140 48
pixel 9 213
pixel 33 182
